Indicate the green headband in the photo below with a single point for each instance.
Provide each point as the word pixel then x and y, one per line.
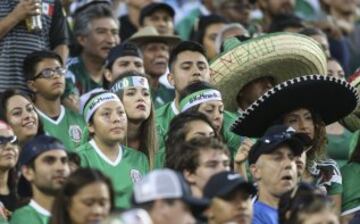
pixel 96 102
pixel 198 98
pixel 130 81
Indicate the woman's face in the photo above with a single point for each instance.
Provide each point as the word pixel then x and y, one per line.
pixel 209 39
pixel 109 122
pixel 334 69
pixel 302 121
pixel 137 103
pixel 214 110
pixel 89 207
pixel 22 117
pixel 9 152
pixel 198 128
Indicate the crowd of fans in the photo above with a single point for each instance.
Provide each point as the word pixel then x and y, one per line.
pixel 179 111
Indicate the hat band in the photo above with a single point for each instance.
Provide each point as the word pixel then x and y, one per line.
pixel 199 97
pixel 96 102
pixel 131 81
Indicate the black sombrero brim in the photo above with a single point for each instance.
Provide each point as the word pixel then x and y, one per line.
pixel 329 97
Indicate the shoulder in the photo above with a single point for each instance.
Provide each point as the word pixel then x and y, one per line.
pixel 163 109
pixel 21 215
pixel 83 149
pixel 132 152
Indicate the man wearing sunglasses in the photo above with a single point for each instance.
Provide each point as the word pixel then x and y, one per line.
pixel 272 164
pixel 45 76
pixel 9 153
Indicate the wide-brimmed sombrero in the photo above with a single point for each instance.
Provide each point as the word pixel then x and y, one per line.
pixel 329 97
pixel 149 34
pixel 281 56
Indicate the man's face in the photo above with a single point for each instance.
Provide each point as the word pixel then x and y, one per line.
pixel 49 173
pixel 189 67
pixel 127 64
pixel 211 162
pixel 208 41
pixel 276 173
pixel 237 208
pixel 103 35
pixel 48 87
pixel 252 91
pixel 276 7
pixel 236 11
pixel 156 59
pixel 162 21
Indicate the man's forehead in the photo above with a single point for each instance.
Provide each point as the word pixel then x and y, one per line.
pixel 53 153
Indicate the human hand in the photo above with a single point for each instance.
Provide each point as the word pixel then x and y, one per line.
pixel 27 8
pixel 243 151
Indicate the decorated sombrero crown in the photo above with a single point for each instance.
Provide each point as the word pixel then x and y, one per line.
pixel 331 98
pixel 281 56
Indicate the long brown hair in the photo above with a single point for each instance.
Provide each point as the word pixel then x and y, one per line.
pixel 148 133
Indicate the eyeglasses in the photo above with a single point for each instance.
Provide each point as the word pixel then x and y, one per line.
pixel 49 73
pixel 10 139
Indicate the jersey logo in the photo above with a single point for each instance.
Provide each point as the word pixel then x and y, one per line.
pixel 75 133
pixel 135 175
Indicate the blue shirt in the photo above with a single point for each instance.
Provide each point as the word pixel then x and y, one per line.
pixel 264 214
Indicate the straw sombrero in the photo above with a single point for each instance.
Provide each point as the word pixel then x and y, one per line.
pixel 150 34
pixel 329 97
pixel 281 56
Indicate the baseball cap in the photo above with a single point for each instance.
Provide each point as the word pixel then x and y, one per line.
pixel 274 137
pixel 167 184
pixel 122 50
pixel 223 183
pixel 30 151
pixel 152 7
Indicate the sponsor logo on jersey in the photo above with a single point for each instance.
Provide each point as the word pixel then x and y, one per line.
pixel 75 133
pixel 135 175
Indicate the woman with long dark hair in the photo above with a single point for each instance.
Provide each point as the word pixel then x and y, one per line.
pixel 86 197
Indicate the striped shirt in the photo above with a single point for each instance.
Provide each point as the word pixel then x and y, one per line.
pixel 19 42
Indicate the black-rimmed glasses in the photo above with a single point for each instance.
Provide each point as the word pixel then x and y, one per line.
pixel 49 73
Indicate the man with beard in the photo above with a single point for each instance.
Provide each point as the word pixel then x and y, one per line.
pixel 44 168
pixel 45 77
pixel 273 8
pixel 272 164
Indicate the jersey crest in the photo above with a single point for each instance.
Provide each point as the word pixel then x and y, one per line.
pixel 135 175
pixel 75 133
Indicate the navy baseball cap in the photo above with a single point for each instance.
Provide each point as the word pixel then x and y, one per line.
pixel 152 7
pixel 30 151
pixel 122 50
pixel 223 183
pixel 274 137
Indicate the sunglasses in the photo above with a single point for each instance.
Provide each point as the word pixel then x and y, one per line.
pixel 10 139
pixel 49 73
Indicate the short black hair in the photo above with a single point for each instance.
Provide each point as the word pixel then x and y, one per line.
pixel 312 31
pixel 185 46
pixel 195 87
pixel 33 59
pixel 283 21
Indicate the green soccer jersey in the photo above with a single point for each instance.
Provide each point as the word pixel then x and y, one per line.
pixel 32 213
pixel 162 95
pixel 232 140
pixel 351 188
pixel 129 167
pixel 78 77
pixel 69 127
